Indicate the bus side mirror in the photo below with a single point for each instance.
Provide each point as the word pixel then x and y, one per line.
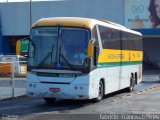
pixel 22 46
pixel 91 48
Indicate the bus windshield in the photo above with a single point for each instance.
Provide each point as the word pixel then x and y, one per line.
pixel 59 48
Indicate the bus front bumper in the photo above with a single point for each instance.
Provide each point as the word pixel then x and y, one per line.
pixel 58 91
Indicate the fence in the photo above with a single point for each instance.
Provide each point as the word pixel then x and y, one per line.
pixel 19 69
pixel 12 79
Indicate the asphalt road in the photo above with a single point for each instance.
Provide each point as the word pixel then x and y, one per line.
pixel 144 100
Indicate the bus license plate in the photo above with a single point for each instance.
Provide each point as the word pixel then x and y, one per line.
pixel 54 90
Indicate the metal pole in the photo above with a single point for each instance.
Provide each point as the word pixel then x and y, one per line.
pixel 12 79
pixel 30 6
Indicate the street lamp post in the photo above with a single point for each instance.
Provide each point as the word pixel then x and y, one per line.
pixel 30 6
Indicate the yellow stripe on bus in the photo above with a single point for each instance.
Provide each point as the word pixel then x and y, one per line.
pixel 111 55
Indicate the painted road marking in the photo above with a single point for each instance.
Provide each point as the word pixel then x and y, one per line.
pixel 137 93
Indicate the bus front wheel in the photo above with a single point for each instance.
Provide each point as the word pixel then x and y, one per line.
pixel 50 100
pixel 100 92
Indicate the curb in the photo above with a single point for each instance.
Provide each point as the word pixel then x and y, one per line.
pixel 11 98
pixel 137 93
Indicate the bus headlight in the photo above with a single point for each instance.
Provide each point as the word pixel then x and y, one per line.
pixel 30 85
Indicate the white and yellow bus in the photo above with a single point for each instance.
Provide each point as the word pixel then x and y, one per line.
pixel 81 58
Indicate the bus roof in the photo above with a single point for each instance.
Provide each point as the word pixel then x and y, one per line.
pixel 64 21
pixel 80 22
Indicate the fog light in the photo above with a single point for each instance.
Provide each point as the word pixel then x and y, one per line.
pixel 75 87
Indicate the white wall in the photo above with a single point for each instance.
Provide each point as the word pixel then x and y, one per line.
pixel 15 17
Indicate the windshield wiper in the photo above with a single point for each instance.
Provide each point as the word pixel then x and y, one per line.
pixel 62 56
pixel 65 59
pixel 44 59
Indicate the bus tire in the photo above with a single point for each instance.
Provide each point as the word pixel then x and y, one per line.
pixel 100 92
pixel 132 83
pixel 50 100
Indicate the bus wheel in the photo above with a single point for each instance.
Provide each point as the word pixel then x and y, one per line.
pixel 50 100
pixel 132 83
pixel 100 92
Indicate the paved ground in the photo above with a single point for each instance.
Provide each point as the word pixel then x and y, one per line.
pixel 6 88
pixel 144 100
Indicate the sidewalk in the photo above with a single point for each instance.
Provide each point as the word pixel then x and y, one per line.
pixel 6 88
pixel 6 92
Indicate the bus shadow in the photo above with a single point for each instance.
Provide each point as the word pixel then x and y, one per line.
pixel 115 94
pixel 64 106
pixel 27 105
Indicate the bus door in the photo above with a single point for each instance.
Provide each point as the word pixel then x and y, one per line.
pixel 111 57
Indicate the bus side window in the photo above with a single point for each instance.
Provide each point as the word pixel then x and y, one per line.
pixel 131 42
pixel 110 38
